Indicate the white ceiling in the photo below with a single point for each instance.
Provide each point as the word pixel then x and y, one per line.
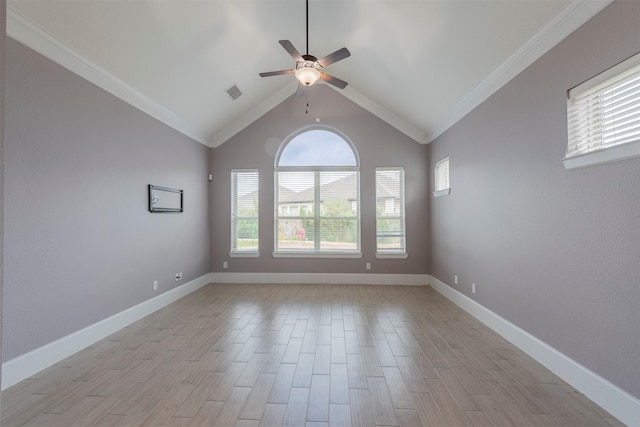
pixel 419 65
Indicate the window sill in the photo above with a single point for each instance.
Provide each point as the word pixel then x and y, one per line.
pixel 441 193
pixel 287 254
pixel 390 255
pixel 240 254
pixel 607 155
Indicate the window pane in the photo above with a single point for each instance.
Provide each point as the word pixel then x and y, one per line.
pixel 295 234
pixel 338 191
pixel 441 172
pixel 390 232
pixel 317 148
pixel 247 234
pixel 295 193
pixel 338 234
pixel 244 210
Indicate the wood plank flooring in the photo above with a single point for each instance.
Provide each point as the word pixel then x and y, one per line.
pixel 301 356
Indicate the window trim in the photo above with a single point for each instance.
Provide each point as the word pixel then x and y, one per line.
pixel 442 191
pixel 239 253
pixel 298 253
pixel 607 154
pixel 395 253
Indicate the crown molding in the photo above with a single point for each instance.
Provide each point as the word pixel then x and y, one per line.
pixel 383 114
pixel 570 19
pixel 33 36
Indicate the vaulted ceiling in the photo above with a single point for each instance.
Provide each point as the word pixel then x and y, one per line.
pixel 418 65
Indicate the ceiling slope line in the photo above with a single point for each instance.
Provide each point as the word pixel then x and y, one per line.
pixel 236 126
pixel 25 31
pixel 562 25
pixel 383 114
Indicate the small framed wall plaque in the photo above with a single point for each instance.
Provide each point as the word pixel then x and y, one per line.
pixel 165 200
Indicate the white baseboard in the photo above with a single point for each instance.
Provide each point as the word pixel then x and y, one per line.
pixel 26 365
pixel 616 401
pixel 322 278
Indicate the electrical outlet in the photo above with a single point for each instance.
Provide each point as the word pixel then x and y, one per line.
pixel 368 266
pixel 178 276
pixel 224 264
pixel 455 279
pixel 155 285
pixel 473 288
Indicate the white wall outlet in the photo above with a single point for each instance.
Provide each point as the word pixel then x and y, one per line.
pixel 473 288
pixel 155 285
pixel 178 276
pixel 455 279
pixel 225 264
pixel 368 266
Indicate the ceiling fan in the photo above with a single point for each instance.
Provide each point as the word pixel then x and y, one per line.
pixel 308 68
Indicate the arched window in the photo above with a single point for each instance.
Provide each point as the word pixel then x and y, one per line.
pixel 317 195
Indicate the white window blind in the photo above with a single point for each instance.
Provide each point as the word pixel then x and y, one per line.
pixel 318 211
pixel 604 112
pixel 441 172
pixel 390 224
pixel 244 211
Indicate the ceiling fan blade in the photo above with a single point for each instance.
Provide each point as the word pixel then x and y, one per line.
pixel 288 46
pixel 334 57
pixel 333 80
pixel 276 73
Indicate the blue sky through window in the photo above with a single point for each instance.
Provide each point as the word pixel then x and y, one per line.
pixel 317 147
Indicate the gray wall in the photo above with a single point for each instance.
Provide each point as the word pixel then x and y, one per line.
pixel 377 143
pixel 555 252
pixel 80 244
pixel 3 22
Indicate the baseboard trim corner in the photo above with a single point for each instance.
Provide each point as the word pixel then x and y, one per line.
pixel 28 364
pixel 613 399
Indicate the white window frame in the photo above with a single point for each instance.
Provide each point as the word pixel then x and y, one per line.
pixel 393 253
pixel 235 251
pixel 317 170
pixel 586 144
pixel 441 182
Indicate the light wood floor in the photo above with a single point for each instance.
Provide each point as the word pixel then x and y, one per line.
pixel 301 355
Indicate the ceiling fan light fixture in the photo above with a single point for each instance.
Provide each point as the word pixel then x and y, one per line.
pixel 307 75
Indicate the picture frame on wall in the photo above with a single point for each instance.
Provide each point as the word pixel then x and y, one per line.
pixel 165 200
